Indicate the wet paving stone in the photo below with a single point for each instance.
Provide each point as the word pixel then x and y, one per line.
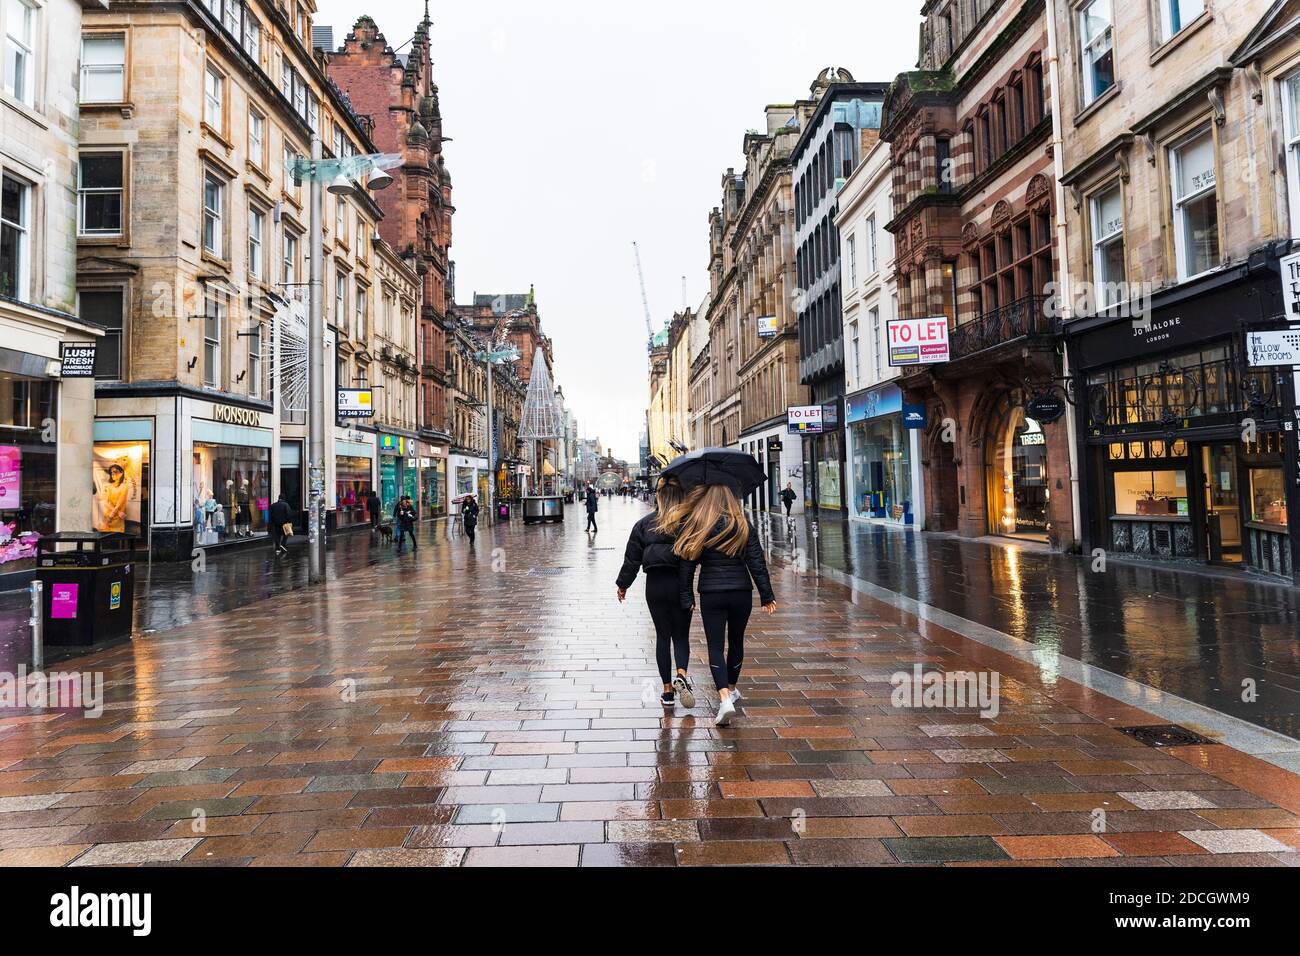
pixel 498 720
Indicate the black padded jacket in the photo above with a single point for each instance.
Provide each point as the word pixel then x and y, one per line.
pixel 647 549
pixel 722 572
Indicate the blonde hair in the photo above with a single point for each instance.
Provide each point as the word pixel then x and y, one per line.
pixel 669 494
pixel 709 517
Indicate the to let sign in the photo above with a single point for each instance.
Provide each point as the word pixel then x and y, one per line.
pixel 77 360
pixel 1291 286
pixel 917 341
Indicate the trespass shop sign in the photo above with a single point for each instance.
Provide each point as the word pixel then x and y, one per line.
pixel 917 341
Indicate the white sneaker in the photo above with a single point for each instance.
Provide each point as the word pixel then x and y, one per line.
pixel 685 690
pixel 726 710
pixel 736 694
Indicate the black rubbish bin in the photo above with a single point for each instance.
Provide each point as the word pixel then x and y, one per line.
pixel 89 587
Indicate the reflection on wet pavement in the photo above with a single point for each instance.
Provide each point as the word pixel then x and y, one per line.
pixel 1200 636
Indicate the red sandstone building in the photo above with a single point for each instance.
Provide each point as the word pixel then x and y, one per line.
pixel 971 134
pixel 397 92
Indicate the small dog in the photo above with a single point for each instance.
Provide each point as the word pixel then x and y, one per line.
pixel 386 533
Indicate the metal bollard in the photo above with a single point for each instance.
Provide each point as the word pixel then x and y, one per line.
pixel 37 623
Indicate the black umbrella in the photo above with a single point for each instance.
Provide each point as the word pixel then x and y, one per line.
pixel 717 466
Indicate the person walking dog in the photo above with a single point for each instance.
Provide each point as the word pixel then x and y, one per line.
pixel 650 548
pixel 714 536
pixel 406 523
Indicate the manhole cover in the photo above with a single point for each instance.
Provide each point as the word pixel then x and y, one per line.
pixel 1165 735
pixel 548 571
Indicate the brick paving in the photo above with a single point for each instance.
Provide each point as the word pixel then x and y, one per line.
pixel 497 706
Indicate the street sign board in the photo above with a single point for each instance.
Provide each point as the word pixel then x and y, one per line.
pixel 1273 348
pixel 356 403
pixel 1045 409
pixel 914 416
pixel 804 419
pixel 917 341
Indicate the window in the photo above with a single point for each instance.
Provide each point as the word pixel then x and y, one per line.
pixel 255 361
pixel 99 194
pixel 1108 246
pixel 1291 131
pixel 257 139
pixel 212 320
pixel 857 357
pixel 290 167
pixel 873 263
pixel 853 261
pixel 214 99
pixel 943 164
pixel 20 51
pixel 1096 39
pixel 340 220
pixel 362 297
pixel 214 195
pixel 256 225
pixel 876 349
pixel 231 19
pixel 103 68
pixel 104 307
pixel 289 261
pixel 1176 14
pixel 252 39
pixel 340 300
pixel 15 237
pixel 1196 214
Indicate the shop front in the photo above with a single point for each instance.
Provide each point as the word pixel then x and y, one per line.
pixel 469 476
pixel 822 448
pixel 780 456
pixel 353 478
pixel 433 480
pixel 1018 481
pixel 1184 445
pixel 881 453
pixel 230 475
pixel 398 466
pixel 28 460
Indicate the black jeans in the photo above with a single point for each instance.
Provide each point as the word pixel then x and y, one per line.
pixel 277 537
pixel 725 614
pixel 469 530
pixel 402 531
pixel 591 521
pixel 788 506
pixel 672 624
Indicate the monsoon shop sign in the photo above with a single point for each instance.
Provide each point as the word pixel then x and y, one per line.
pixel 917 341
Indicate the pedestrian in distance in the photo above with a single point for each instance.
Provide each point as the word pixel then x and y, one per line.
pixel 280 517
pixel 592 506
pixel 787 497
pixel 650 548
pixel 469 514
pixel 406 523
pixel 375 507
pixel 714 535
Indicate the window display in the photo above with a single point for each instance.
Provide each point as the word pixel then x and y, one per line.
pixel 121 481
pixel 882 482
pixel 27 467
pixel 1268 496
pixel 1151 493
pixel 352 487
pixel 232 487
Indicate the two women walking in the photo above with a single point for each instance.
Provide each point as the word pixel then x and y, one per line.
pixel 703 529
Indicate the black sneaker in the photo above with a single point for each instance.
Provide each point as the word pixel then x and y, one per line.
pixel 669 699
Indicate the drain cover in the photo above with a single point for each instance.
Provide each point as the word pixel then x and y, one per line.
pixel 1165 735
pixel 548 571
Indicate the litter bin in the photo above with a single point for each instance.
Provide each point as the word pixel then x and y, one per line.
pixel 89 587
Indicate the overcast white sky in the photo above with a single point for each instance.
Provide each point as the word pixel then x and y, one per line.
pixel 582 125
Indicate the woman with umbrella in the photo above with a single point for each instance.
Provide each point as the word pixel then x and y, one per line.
pixel 714 535
pixel 650 547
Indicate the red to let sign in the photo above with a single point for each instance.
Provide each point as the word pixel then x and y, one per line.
pixel 917 341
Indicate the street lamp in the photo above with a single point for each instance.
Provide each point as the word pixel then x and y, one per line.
pixel 342 174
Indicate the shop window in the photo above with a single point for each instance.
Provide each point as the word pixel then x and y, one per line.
pixel 15 237
pixel 231 489
pixel 1195 205
pixel 20 51
pixel 1150 493
pixel 28 491
pixel 121 482
pixel 1096 39
pixel 105 307
pixel 100 194
pixel 1268 497
pixel 1016 461
pixel 1177 14
pixel 103 68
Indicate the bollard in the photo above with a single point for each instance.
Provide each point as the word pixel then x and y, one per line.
pixel 37 622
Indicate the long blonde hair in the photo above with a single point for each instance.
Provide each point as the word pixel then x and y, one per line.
pixel 669 494
pixel 709 517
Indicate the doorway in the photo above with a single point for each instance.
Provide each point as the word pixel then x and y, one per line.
pixel 1220 503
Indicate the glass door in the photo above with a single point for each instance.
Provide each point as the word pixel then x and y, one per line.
pixel 1222 507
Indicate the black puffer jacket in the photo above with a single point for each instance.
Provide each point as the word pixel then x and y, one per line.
pixel 648 549
pixel 722 572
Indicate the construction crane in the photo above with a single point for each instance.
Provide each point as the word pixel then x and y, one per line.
pixel 645 303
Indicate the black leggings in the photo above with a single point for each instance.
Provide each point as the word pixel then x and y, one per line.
pixel 672 624
pixel 723 612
